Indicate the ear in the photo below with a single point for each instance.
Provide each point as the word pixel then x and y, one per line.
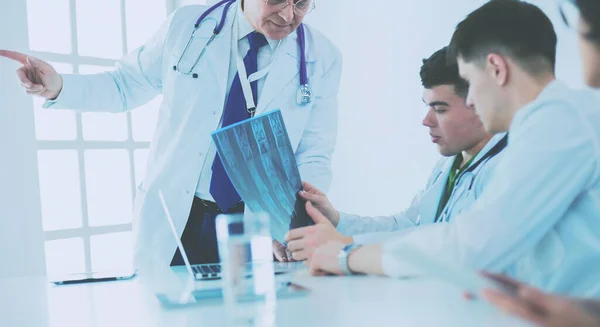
pixel 497 67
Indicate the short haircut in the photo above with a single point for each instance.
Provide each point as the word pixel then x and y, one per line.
pixel 437 70
pixel 590 11
pixel 512 28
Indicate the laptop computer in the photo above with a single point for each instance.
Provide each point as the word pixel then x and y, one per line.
pixel 212 271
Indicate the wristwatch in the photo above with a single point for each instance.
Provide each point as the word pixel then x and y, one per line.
pixel 343 257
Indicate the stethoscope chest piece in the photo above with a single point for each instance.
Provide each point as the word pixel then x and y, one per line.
pixel 304 95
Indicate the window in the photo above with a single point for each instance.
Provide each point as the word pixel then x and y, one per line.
pixel 90 163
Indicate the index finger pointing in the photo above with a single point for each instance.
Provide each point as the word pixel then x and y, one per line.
pixel 17 56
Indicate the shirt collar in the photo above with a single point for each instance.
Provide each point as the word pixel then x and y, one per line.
pixel 555 89
pixel 245 28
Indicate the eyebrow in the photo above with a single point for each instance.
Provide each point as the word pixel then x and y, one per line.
pixel 437 103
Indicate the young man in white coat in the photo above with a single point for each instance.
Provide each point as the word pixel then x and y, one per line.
pixel 202 92
pixel 537 220
pixel 537 307
pixel 457 180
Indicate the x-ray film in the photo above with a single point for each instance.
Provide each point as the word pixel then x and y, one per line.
pixel 260 162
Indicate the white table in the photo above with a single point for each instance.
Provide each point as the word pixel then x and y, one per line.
pixel 333 301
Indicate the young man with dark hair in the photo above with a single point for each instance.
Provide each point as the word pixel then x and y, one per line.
pixel 535 306
pixel 537 219
pixel 469 156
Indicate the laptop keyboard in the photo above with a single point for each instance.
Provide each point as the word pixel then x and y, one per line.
pixel 213 270
pixel 206 269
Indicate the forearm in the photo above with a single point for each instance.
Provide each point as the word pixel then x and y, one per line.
pixel 93 92
pixel 354 225
pixel 366 260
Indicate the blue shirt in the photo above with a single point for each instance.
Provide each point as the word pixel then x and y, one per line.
pixel 539 218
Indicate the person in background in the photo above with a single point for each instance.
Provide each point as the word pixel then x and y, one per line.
pixel 540 308
pixel 469 155
pixel 537 220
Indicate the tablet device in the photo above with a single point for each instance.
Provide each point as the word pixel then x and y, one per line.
pixel 92 277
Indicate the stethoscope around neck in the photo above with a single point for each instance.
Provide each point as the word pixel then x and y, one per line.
pixel 304 94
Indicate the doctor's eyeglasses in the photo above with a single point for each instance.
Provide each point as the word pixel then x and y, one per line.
pixel 300 7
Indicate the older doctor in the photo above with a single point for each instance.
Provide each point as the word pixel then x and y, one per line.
pixel 469 156
pixel 203 89
pixel 537 221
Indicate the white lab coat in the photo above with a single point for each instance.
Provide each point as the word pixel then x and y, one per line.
pixel 424 206
pixel 192 109
pixel 538 220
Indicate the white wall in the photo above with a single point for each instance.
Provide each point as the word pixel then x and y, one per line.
pixel 21 235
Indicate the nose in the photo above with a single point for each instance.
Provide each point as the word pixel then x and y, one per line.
pixel 469 100
pixel 287 13
pixel 429 120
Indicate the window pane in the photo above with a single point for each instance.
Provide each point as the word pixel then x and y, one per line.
pixel 143 19
pixel 60 189
pixel 112 252
pixel 144 119
pixel 65 257
pixel 99 31
pixel 108 187
pixel 140 158
pixel 102 126
pixel 92 69
pixel 54 124
pixel 43 15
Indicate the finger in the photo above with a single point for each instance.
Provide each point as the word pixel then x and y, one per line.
pixel 542 300
pixel 40 66
pixel 22 77
pixel 298 233
pixel 310 196
pixel 310 188
pixel 514 306
pixel 288 253
pixel 279 255
pixel 502 279
pixel 296 245
pixel 35 88
pixel 16 56
pixel 279 251
pixel 36 92
pixel 300 255
pixel 315 214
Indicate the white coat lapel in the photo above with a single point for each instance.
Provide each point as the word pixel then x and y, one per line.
pixel 285 68
pixel 219 51
pixel 431 197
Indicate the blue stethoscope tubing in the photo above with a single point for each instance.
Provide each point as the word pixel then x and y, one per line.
pixel 304 93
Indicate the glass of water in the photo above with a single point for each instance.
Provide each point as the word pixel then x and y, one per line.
pixel 245 250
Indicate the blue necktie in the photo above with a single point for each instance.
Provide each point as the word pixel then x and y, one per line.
pixel 235 111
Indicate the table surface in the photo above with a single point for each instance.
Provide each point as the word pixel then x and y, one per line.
pixel 332 301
